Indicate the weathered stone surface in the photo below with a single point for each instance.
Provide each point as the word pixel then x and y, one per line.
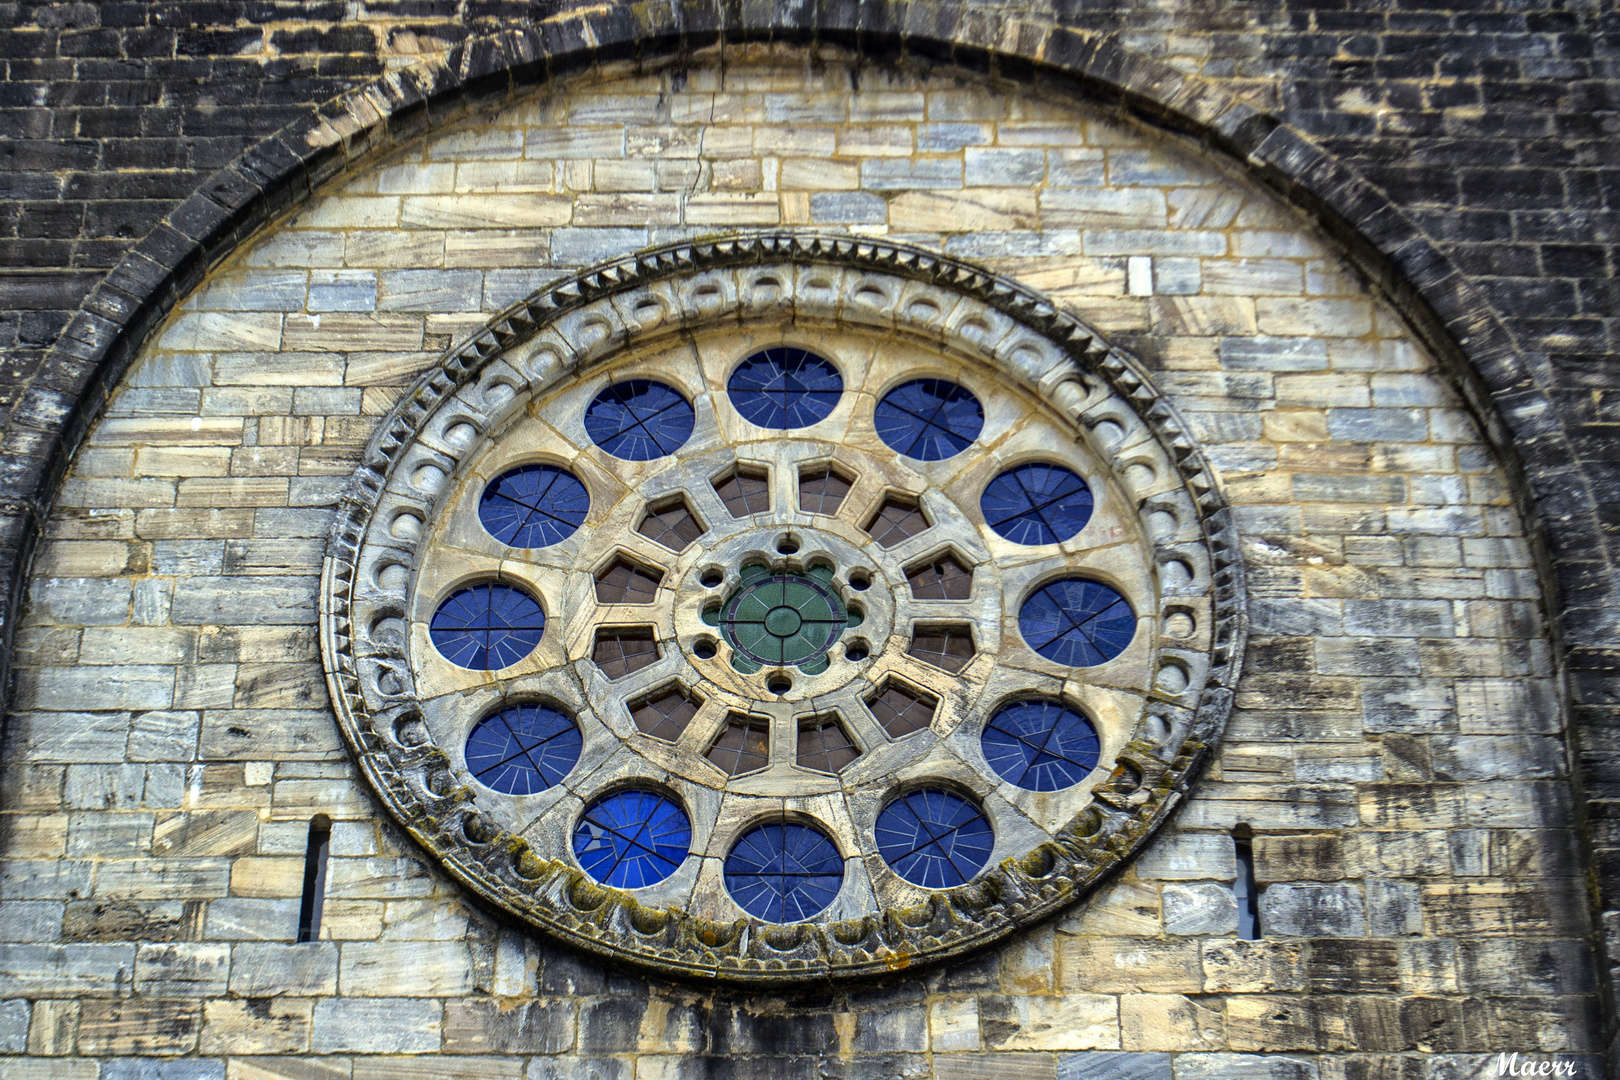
pixel 1389 621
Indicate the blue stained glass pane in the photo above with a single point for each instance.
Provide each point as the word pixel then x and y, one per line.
pixel 639 420
pixel 1037 504
pixel 487 627
pixel 632 839
pixel 784 872
pixel 1077 622
pixel 1040 745
pixel 785 388
pixel 534 506
pixel 934 839
pixel 929 419
pixel 522 750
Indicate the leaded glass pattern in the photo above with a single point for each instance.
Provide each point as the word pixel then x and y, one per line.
pixel 632 839
pixel 639 420
pixel 822 489
pixel 671 524
pixel 487 627
pixel 941 578
pixel 1040 745
pixel 949 647
pixel 623 650
pixel 665 715
pixel 534 506
pixel 745 491
pixel 929 419
pixel 1037 504
pixel 523 749
pixel 624 582
pixel 934 838
pixel 784 872
pixel 902 710
pixel 897 520
pixel 783 619
pixel 825 746
pixel 785 388
pixel 1077 622
pixel 743 746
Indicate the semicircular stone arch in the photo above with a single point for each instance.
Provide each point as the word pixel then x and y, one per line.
pixel 1396 621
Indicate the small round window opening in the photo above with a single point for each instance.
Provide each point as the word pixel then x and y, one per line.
pixel 817 642
pixel 523 750
pixel 487 627
pixel 534 506
pixel 784 872
pixel 639 420
pixel 929 419
pixel 785 388
pixel 632 839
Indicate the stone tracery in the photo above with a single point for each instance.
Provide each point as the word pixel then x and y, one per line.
pixel 690 313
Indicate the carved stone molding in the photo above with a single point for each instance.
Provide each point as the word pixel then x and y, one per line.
pixel 586 323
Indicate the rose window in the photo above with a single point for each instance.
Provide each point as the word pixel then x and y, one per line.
pixel 790 640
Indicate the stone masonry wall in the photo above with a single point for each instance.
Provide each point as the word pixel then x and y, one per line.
pixel 1395 745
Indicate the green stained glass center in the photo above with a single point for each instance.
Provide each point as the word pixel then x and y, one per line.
pixel 780 619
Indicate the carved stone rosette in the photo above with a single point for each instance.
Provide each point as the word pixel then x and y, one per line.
pixel 1166 703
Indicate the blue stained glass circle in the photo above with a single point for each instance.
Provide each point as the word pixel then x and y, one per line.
pixel 487 627
pixel 785 388
pixel 929 419
pixel 934 839
pixel 1036 504
pixel 1077 622
pixel 639 420
pixel 1040 745
pixel 632 839
pixel 784 872
pixel 534 506
pixel 522 750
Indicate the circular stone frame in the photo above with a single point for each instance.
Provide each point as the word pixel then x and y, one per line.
pixel 592 317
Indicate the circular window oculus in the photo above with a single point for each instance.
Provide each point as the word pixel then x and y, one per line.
pixel 487 627
pixel 523 750
pixel 785 388
pixel 534 506
pixel 639 420
pixel 632 839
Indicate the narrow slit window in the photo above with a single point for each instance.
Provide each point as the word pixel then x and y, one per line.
pixel 309 912
pixel 1246 888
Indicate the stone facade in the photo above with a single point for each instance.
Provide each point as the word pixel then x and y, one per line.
pixel 1396 743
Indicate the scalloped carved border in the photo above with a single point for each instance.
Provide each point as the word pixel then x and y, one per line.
pixel 412 777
